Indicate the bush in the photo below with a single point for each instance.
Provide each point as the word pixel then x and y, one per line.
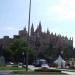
pixel 72 67
pixel 23 66
pixel 46 70
pixel 14 65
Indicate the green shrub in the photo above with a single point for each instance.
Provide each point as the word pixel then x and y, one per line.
pixel 23 66
pixel 14 65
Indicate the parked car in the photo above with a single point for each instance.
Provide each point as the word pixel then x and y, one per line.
pixel 20 64
pixel 10 63
pixel 39 62
pixel 45 66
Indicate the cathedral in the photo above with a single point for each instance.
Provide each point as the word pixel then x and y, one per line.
pixel 40 40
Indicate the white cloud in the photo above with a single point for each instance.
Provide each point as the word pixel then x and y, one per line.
pixel 69 3
pixel 10 28
pixel 65 9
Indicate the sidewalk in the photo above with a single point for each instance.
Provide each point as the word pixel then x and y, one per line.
pixel 69 73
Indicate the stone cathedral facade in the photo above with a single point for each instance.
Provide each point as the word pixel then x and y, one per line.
pixel 40 40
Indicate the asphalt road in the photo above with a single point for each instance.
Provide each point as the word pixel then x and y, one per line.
pixel 33 74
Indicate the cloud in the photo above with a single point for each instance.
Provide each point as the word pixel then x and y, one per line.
pixel 10 28
pixel 64 9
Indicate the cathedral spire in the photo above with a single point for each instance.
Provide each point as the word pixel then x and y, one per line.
pixel 32 29
pixel 40 27
pixel 48 31
pixel 25 28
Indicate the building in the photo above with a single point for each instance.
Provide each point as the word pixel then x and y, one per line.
pixel 40 40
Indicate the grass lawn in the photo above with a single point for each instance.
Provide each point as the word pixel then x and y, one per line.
pixel 20 70
pixel 11 68
pixel 32 72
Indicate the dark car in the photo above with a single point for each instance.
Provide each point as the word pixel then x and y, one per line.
pixel 39 62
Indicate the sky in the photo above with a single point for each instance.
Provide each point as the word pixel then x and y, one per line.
pixel 56 15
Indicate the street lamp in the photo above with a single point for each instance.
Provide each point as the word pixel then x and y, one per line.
pixel 27 54
pixel 23 54
pixel 1 50
pixel 37 44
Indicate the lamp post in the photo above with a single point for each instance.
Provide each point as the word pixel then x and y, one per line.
pixel 27 54
pixel 1 50
pixel 36 47
pixel 37 44
pixel 23 54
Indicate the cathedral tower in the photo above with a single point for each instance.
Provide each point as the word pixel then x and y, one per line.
pixel 39 28
pixel 32 30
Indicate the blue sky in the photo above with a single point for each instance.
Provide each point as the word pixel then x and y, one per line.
pixel 56 15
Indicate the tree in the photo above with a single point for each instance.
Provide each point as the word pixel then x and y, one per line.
pixel 32 55
pixel 15 50
pixel 8 54
pixel 53 52
pixel 68 53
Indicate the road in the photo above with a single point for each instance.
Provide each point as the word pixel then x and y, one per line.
pixel 33 74
pixel 5 72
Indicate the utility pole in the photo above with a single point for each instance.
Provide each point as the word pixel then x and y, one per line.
pixel 27 55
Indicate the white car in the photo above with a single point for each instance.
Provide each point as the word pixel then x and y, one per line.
pixel 44 66
pixel 11 63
